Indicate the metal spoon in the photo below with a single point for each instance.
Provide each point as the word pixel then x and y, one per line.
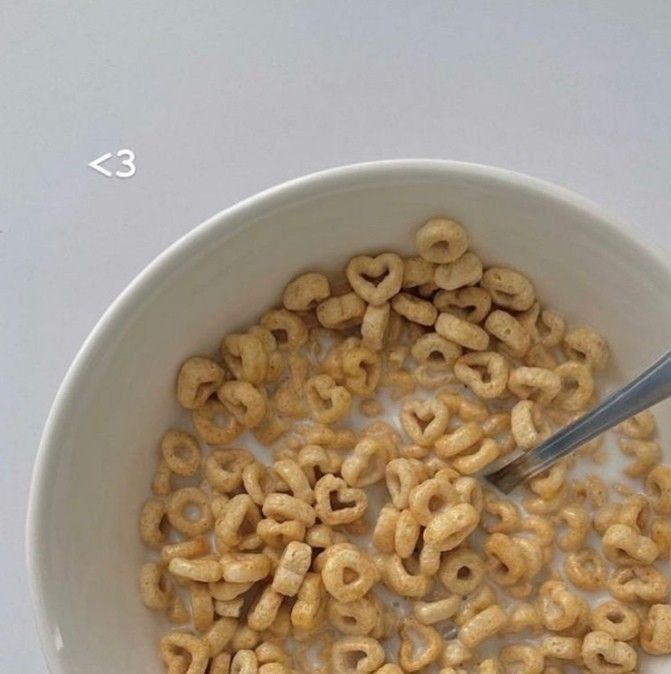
pixel 650 387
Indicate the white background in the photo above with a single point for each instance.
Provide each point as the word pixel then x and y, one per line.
pixel 219 100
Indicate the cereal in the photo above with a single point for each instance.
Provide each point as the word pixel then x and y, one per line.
pixel 305 291
pixel 509 288
pixel 464 271
pixel 441 241
pixel 375 279
pixel 314 546
pixel 485 373
pixel 604 655
pixel 462 332
pixel 470 304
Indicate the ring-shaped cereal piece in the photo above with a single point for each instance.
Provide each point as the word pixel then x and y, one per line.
pixel 441 241
pixel 181 452
pixel 196 499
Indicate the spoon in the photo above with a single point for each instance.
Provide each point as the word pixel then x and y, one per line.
pixel 650 387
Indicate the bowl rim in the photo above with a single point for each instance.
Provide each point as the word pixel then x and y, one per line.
pixel 292 189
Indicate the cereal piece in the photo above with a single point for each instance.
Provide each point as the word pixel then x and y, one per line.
pixel 546 328
pixel 561 648
pixel 286 327
pixel 384 532
pixel 279 534
pixel 202 570
pixel 356 655
pixel 362 368
pixel 337 503
pixel 658 485
pixel 435 352
pixel 221 663
pixel 282 507
pixel 305 291
pixel 195 547
pixel 182 652
pixel 403 581
pixel 153 523
pixel 462 332
pixel 246 357
pixel 464 271
pixel 618 620
pixel 604 655
pixel 197 380
pixel 238 519
pixel 528 425
pixel 509 288
pixel 328 402
pixel 634 583
pixel 155 588
pixel 414 309
pixel 656 630
pixel 424 421
pixel 441 241
pixel 505 513
pixel 449 529
pixel 539 384
pixel 462 571
pixel 561 610
pixel 263 611
pixel 523 616
pixel 348 574
pixel 374 326
pixel 161 485
pixel 202 606
pixel 482 626
pixel 219 634
pixel 508 330
pixel 577 386
pixel 586 569
pixel 624 546
pixel 257 480
pixel 339 313
pixel 406 534
pixel 196 500
pixel 431 497
pixel 486 373
pixel 402 476
pixel 244 401
pixel 356 618
pixel 579 525
pixel 214 424
pixel 587 346
pixel 646 455
pixel 224 468
pixel 244 662
pixel 293 566
pixel 290 472
pixel 310 603
pixel 375 279
pixel 477 458
pixel 470 304
pixel 660 532
pixel 181 452
pixel 420 645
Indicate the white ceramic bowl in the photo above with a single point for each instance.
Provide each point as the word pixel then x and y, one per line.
pixel 99 447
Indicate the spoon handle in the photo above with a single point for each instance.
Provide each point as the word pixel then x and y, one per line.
pixel 650 387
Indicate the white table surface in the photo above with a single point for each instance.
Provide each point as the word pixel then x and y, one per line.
pixel 221 99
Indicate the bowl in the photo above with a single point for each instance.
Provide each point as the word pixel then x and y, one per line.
pixel 99 447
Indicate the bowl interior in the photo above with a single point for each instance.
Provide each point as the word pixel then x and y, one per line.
pixel 100 447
